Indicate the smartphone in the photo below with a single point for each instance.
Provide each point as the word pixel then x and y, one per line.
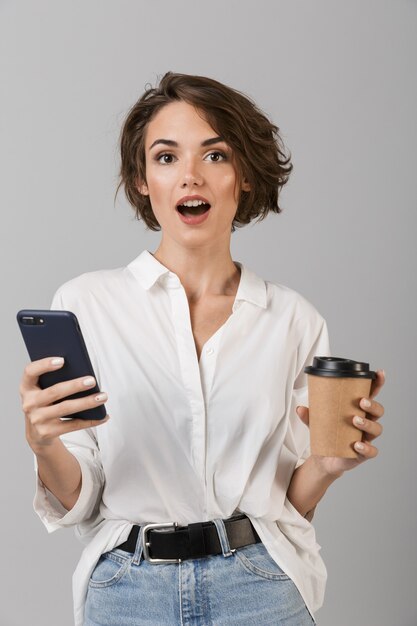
pixel 58 333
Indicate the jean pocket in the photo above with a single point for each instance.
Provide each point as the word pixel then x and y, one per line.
pixel 110 568
pixel 257 560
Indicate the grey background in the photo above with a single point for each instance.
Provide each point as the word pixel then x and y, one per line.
pixel 339 80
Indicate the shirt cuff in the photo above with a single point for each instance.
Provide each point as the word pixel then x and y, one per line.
pixel 52 513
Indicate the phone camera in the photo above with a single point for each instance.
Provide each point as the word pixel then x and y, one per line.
pixel 32 321
pixel 28 320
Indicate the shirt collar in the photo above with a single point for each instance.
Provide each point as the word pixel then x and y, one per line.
pixel 148 270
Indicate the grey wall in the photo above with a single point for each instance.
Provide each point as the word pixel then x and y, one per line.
pixel 339 80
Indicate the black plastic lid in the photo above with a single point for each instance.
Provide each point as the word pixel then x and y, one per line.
pixel 336 367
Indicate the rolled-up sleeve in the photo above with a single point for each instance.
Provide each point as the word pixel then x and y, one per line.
pixel 315 342
pixel 83 445
pixel 51 512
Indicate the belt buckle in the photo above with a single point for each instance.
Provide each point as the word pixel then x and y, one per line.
pixel 146 543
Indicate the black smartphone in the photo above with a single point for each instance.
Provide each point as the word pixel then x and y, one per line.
pixel 58 333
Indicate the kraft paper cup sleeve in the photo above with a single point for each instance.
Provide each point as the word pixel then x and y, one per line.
pixel 333 402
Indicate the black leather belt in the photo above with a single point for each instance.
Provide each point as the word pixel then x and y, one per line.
pixel 161 545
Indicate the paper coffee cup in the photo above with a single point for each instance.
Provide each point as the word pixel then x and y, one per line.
pixel 335 388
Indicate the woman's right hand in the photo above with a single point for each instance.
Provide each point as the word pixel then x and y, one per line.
pixel 43 423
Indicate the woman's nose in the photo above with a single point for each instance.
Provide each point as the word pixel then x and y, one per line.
pixel 191 174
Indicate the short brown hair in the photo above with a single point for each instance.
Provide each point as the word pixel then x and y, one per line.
pixel 257 148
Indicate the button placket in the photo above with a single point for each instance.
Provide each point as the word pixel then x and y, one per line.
pixel 208 360
pixel 190 372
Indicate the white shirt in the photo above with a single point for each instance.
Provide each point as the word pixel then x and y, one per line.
pixel 190 440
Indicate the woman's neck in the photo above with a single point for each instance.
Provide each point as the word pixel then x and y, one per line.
pixel 203 273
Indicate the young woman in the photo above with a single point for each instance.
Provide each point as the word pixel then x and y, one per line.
pixel 195 499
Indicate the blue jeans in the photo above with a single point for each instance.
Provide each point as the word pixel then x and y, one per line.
pixel 244 587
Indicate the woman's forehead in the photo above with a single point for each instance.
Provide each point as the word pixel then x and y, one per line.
pixel 179 121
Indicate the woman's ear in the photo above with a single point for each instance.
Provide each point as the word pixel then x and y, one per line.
pixel 245 185
pixel 142 188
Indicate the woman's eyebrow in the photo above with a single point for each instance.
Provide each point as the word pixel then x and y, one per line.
pixel 170 142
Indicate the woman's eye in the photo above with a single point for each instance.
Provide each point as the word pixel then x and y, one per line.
pixel 217 154
pixel 215 157
pixel 166 158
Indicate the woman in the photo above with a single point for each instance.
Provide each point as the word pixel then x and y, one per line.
pixel 202 362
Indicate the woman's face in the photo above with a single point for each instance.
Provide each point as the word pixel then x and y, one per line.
pixel 185 157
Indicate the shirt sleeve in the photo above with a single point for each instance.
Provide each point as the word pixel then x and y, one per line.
pixel 315 342
pixel 83 445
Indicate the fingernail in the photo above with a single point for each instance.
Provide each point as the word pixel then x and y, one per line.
pixel 358 420
pixel 88 382
pixel 365 403
pixel 101 396
pixel 359 445
pixel 57 361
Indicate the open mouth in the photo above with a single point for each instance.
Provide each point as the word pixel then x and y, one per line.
pixel 189 211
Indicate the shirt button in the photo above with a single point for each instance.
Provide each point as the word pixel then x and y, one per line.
pixel 210 351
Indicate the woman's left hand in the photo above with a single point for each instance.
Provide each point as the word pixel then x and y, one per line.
pixel 371 428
